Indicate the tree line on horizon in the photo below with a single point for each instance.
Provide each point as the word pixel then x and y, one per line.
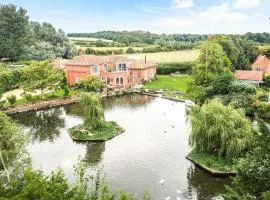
pixel 146 37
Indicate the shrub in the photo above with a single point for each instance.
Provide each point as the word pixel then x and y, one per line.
pixel 12 99
pixel 66 90
pixel 168 68
pixel 91 84
pixel 29 97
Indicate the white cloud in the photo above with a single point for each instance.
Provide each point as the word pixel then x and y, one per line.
pixel 222 13
pixel 182 3
pixel 246 3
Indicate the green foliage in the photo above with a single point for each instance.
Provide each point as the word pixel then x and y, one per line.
pixel 267 53
pixel 135 37
pixel 130 50
pixel 9 78
pixel 220 130
pixel 91 84
pixel 93 110
pixel 12 144
pixel 258 37
pixel 41 75
pixel 253 177
pixel 22 39
pixel 13 31
pixel 240 51
pixel 168 68
pixel 221 84
pixel 12 99
pixel 213 62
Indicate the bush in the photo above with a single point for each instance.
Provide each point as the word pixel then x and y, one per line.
pixel 91 84
pixel 29 97
pixel 168 68
pixel 130 50
pixel 12 99
pixel 66 90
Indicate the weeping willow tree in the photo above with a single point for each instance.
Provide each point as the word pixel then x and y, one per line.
pixel 220 130
pixel 93 111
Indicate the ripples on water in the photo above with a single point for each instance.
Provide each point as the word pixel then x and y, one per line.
pixel 149 155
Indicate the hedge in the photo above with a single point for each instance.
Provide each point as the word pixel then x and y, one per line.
pixel 168 68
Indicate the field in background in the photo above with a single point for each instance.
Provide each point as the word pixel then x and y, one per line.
pixel 87 39
pixel 169 57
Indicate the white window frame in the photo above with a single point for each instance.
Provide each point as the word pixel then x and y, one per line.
pixel 95 69
pixel 118 79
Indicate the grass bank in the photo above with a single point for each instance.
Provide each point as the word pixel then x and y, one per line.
pixel 213 163
pixel 106 132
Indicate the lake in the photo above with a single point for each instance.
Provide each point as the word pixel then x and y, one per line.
pixel 150 154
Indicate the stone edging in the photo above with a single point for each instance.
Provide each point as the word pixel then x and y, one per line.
pixel 211 171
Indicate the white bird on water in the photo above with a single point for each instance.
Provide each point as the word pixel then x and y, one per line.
pixel 161 181
pixel 167 198
pixel 179 191
pixel 178 198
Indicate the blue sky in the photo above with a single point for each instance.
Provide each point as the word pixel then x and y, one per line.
pixel 159 16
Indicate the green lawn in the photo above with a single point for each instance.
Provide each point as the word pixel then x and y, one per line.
pixel 170 83
pixel 213 162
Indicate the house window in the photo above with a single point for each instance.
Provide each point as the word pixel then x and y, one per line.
pixel 103 78
pixel 95 69
pixel 119 81
pixel 78 79
pixel 121 67
pixel 105 67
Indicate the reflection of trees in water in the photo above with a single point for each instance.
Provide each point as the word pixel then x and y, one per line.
pixel 43 125
pixel 204 186
pixel 131 100
pixel 94 153
pixel 74 110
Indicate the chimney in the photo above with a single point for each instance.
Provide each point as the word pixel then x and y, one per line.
pixel 145 59
pixel 81 53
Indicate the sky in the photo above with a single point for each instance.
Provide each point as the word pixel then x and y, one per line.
pixel 157 16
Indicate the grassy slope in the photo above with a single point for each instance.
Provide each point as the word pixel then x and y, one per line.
pixel 170 83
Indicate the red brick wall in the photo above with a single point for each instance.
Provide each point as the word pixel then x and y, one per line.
pixel 74 72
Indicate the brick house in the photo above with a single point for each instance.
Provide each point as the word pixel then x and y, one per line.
pixel 115 71
pixel 260 69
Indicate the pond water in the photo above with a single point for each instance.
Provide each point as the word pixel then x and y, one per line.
pixel 152 149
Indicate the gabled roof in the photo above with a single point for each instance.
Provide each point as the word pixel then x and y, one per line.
pixel 59 63
pixel 141 64
pixel 249 75
pixel 90 60
pixel 262 63
pixel 85 60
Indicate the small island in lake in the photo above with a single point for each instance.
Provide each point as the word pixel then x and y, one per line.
pixel 94 127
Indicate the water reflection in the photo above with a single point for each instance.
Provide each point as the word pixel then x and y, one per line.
pixel 134 101
pixel 43 125
pixel 201 189
pixel 94 153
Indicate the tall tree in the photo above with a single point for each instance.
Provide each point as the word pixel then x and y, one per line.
pixel 41 75
pixel 220 130
pixel 93 110
pixel 213 61
pixel 13 31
